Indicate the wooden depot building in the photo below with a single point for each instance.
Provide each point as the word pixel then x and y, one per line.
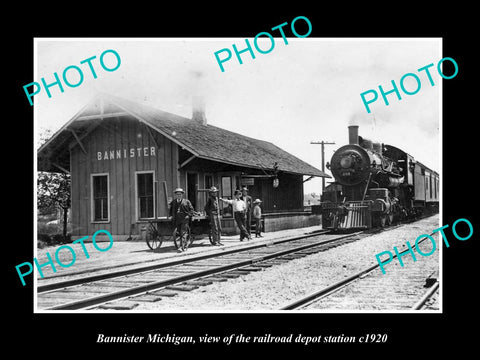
pixel 125 159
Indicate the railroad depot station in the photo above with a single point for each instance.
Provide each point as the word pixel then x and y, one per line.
pixel 125 160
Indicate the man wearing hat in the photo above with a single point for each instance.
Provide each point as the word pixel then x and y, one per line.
pixel 180 211
pixel 257 215
pixel 248 212
pixel 212 211
pixel 239 208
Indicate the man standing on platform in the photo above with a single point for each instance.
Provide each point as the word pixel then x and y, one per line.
pixel 212 211
pixel 257 215
pixel 248 213
pixel 239 209
pixel 181 211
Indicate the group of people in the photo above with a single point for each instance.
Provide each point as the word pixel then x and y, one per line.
pixel 244 209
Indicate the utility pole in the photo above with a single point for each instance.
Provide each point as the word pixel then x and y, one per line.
pixel 323 143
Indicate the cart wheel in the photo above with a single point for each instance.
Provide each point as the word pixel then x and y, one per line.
pixel 155 243
pixel 189 239
pixel 154 239
pixel 182 240
pixel 210 237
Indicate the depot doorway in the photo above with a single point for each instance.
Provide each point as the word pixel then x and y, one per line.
pixel 192 181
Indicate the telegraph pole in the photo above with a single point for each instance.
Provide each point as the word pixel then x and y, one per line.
pixel 323 143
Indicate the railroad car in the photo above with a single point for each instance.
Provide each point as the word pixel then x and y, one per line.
pixel 376 185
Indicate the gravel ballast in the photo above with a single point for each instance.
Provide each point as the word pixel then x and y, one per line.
pixel 276 286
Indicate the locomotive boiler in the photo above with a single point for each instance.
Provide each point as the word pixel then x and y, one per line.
pixel 375 185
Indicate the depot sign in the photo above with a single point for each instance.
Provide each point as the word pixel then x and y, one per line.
pixel 126 153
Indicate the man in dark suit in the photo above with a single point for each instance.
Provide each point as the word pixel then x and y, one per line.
pixel 180 211
pixel 213 213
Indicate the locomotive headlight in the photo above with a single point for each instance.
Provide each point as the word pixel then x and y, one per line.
pixel 346 162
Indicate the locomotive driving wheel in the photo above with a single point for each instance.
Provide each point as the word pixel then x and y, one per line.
pixel 383 220
pixel 390 219
pixel 380 220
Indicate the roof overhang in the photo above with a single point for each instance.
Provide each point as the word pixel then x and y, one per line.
pixel 54 154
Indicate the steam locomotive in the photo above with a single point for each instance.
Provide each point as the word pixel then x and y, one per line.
pixel 376 185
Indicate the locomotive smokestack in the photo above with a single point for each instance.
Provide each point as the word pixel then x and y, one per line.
pixel 353 134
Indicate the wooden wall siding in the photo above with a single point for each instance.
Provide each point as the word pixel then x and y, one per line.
pixel 116 134
pixel 201 196
pixel 288 195
pixel 127 132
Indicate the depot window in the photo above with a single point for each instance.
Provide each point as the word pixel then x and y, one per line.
pixel 100 198
pixel 145 195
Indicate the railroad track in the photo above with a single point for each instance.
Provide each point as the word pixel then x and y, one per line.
pixel 365 279
pixel 423 302
pixel 144 268
pixel 149 283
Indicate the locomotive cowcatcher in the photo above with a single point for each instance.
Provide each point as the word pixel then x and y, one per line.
pixel 376 185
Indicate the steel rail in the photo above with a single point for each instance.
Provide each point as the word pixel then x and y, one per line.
pixel 310 298
pixel 136 270
pixel 96 300
pixel 420 303
pixel 329 289
pixel 86 279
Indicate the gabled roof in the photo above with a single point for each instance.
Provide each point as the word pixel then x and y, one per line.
pixel 204 141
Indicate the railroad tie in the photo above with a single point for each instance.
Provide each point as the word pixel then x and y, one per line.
pixel 432 279
pixel 163 292
pixel 262 265
pixel 230 275
pixel 119 305
pixel 199 282
pixel 147 298
pixel 217 279
pixel 182 287
pixel 252 268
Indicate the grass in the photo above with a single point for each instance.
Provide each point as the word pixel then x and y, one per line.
pixel 51 234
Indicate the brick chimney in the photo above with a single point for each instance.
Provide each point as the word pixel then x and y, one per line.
pixel 198 109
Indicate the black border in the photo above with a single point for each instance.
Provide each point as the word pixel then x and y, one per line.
pixel 405 331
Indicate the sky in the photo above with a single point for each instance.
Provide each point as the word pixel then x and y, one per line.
pixel 308 90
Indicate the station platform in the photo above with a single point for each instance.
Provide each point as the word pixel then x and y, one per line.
pixel 130 254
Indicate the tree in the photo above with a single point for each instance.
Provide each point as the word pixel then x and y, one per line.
pixel 53 189
pixel 43 135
